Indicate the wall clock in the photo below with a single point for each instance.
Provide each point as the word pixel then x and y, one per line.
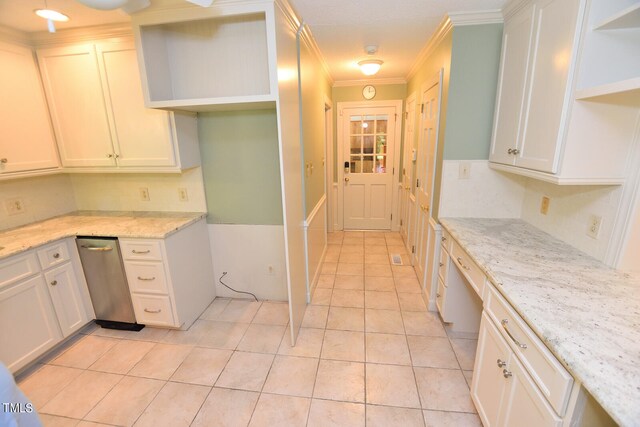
pixel 368 92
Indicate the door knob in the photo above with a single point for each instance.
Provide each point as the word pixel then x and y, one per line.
pixel 346 179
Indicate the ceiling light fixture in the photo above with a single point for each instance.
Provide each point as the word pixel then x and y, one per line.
pixel 369 67
pixel 51 15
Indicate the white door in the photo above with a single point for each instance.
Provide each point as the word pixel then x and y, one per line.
pixel 74 92
pixel 426 162
pixel 142 136
pixel 27 138
pixel 407 169
pixel 63 288
pixel 368 141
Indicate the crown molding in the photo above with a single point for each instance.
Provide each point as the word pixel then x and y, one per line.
pixel 378 82
pixel 512 7
pixel 476 18
pixel 307 37
pixel 444 28
pixel 75 35
pixel 12 35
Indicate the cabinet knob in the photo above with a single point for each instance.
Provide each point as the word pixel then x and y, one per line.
pixel 56 255
pixel 4 160
pixel 444 239
pixel 515 151
pixel 109 156
pixel 116 155
pixel 510 151
pixel 437 295
pixel 506 373
pixel 54 282
pixel 501 363
pixel 441 264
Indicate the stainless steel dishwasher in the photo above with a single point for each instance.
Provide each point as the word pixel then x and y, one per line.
pixel 107 282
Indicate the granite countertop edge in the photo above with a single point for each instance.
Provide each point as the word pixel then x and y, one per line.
pixel 574 364
pixel 92 223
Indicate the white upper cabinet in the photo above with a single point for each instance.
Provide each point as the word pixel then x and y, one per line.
pixel 26 137
pixel 203 59
pixel 141 136
pixel 72 82
pixel 99 116
pixel 543 128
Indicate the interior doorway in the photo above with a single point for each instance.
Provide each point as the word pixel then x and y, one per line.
pixel 368 140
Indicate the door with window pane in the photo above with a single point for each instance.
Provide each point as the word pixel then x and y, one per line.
pixel 368 139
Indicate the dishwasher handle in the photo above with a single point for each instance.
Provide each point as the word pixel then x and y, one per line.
pixel 97 248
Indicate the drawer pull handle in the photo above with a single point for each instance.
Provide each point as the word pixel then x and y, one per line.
pixel 504 323
pixel 462 264
pixel 56 255
pixel 147 279
pixel 501 363
pixel 506 373
pixel 97 248
pixel 133 251
pixel 152 311
pixel 54 282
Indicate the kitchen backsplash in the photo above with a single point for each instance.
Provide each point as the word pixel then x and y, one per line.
pixel 41 197
pixel 123 192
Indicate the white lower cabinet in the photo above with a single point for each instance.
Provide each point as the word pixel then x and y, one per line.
pixel 171 279
pixel 28 323
pixel 42 301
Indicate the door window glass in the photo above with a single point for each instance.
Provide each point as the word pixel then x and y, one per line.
pixel 368 143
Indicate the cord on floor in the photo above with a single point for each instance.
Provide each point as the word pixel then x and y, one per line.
pixel 224 273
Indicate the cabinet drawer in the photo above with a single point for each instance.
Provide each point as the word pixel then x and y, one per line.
pixel 552 378
pixel 146 276
pixel 18 267
pixel 446 240
pixel 441 296
pixel 141 249
pixel 54 254
pixel 468 268
pixel 443 266
pixel 153 309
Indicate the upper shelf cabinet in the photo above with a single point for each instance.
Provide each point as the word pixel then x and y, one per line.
pixel 201 59
pixel 564 110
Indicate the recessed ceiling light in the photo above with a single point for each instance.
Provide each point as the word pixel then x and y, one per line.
pixel 53 15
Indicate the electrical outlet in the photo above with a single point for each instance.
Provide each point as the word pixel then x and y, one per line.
pixel 183 196
pixel 593 230
pixel 271 271
pixel 14 206
pixel 144 194
pixel 464 171
pixel 544 205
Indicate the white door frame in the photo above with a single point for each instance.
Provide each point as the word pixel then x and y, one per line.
pixel 328 163
pixel 408 162
pixel 397 104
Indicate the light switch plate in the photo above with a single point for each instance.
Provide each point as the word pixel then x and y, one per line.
pixel 14 206
pixel 465 170
pixel 144 194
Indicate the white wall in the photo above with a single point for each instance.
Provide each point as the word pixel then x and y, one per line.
pixel 121 192
pixel 569 210
pixel 245 252
pixel 485 194
pixel 43 197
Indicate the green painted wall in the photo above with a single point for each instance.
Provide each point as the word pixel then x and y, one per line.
pixel 316 87
pixel 475 62
pixel 241 167
pixel 353 94
pixel 438 59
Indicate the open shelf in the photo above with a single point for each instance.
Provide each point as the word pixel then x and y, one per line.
pixel 233 103
pixel 206 62
pixel 623 92
pixel 628 18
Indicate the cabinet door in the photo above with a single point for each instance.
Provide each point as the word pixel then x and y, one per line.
pixel 74 92
pixel 550 65
pixel 63 288
pixel 516 42
pixel 489 383
pixel 27 138
pixel 28 325
pixel 142 136
pixel 523 404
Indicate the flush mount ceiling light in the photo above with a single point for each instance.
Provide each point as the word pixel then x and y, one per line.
pixel 369 67
pixel 130 6
pixel 51 14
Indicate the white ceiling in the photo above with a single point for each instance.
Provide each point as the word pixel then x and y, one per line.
pixel 400 28
pixel 341 28
pixel 18 14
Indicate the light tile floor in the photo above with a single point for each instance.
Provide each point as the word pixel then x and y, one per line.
pixel 369 353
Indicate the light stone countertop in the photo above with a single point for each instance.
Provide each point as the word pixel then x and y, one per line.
pixel 150 225
pixel 586 313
